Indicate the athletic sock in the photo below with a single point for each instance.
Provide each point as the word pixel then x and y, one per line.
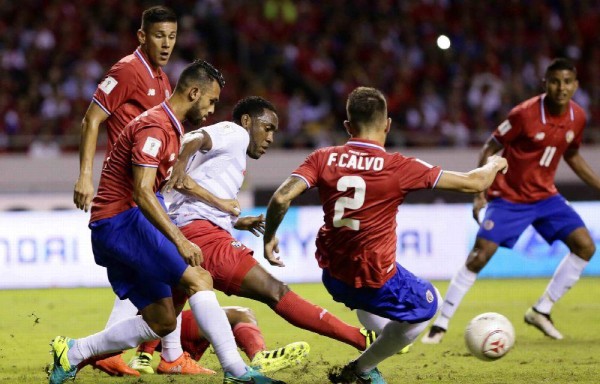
pixel 212 320
pixel 122 335
pixel 171 343
pixel 305 315
pixel 249 338
pixel 122 309
pixel 460 284
pixel 395 336
pixel 566 275
pixel 148 346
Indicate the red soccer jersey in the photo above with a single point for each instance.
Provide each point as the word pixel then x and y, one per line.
pixel 131 87
pixel 534 141
pixel 151 140
pixel 360 188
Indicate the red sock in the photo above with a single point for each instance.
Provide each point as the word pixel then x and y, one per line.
pixel 303 314
pixel 148 346
pixel 249 338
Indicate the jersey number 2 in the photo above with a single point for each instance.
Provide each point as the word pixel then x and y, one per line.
pixel 354 202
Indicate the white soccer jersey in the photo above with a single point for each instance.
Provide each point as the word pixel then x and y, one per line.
pixel 219 170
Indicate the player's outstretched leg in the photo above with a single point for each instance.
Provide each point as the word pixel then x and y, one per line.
pixel 280 358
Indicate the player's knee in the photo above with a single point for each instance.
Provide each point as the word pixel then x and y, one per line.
pixel 585 248
pixel 477 260
pixel 197 279
pixel 163 325
pixel 278 291
pixel 241 315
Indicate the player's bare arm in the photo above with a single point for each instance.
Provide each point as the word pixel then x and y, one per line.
pixel 84 186
pixel 145 198
pixel 581 168
pixel 279 204
pixel 193 143
pixel 477 180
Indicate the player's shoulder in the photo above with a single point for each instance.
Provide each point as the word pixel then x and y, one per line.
pixel 226 129
pixel 578 111
pixel 127 66
pixel 527 107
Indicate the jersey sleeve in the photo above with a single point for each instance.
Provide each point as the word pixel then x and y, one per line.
pixel 309 170
pixel 418 174
pixel 509 129
pixel 148 146
pixel 116 88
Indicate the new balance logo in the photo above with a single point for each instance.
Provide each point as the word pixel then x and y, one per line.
pixel 151 92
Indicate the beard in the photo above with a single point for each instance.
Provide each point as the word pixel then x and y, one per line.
pixel 194 115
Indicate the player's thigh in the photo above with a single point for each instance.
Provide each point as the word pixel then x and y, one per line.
pixel 226 259
pixel 504 222
pixel 559 221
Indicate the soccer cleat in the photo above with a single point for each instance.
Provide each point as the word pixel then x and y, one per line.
pixel 405 349
pixel 280 358
pixel 61 369
pixel 252 376
pixel 141 362
pixel 434 336
pixel 349 374
pixel 114 366
pixel 543 322
pixel 184 365
pixel 370 336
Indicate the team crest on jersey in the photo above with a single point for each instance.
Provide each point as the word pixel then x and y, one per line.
pixel 108 84
pixel 488 225
pixel 539 136
pixel 569 136
pixel 429 296
pixel 236 244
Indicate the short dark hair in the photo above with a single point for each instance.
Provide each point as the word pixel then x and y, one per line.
pixel 199 71
pixel 251 105
pixel 560 64
pixel 365 105
pixel 157 14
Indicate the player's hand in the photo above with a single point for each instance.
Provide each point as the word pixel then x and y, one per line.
pixel 271 248
pixel 83 193
pixel 499 162
pixel 231 206
pixel 191 253
pixel 254 224
pixel 177 178
pixel 478 203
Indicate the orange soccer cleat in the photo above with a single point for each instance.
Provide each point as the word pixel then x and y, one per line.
pixel 114 366
pixel 184 365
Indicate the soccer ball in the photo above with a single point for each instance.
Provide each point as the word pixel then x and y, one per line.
pixel 489 336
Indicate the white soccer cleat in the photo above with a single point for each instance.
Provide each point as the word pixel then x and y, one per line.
pixel 543 322
pixel 434 336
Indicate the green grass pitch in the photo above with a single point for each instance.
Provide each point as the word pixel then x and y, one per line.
pixel 30 318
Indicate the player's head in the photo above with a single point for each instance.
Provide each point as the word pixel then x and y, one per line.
pixel 560 82
pixel 259 117
pixel 199 86
pixel 157 34
pixel 366 109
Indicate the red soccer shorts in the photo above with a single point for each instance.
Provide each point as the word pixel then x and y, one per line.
pixel 227 260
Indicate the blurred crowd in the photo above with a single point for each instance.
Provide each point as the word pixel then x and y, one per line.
pixel 305 56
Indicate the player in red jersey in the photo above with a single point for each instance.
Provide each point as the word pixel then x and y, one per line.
pixel 134 84
pixel 537 133
pixel 360 188
pixel 144 253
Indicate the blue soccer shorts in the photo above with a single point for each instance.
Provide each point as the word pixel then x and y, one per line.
pixel 553 218
pixel 404 297
pixel 141 263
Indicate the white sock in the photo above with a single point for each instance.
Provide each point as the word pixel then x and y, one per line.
pixel 372 322
pixel 460 284
pixel 122 335
pixel 171 344
pixel 213 323
pixel 566 275
pixel 395 336
pixel 122 309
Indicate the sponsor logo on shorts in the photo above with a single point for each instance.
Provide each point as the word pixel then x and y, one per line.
pixel 488 225
pixel 429 296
